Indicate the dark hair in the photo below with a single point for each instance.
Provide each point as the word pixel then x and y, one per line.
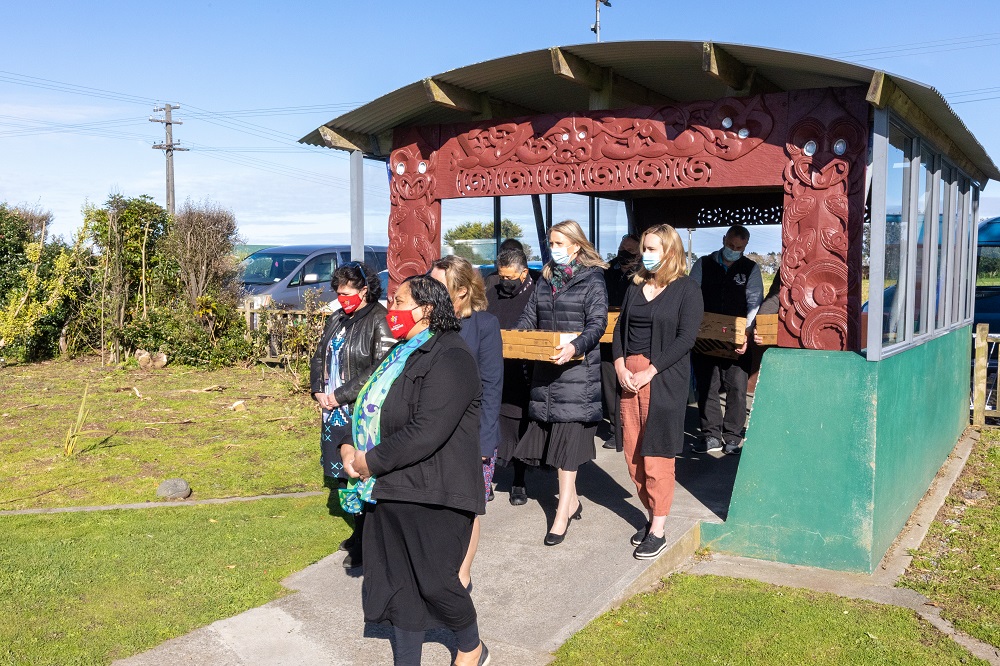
pixel 511 243
pixel 358 275
pixel 739 231
pixel 425 290
pixel 512 258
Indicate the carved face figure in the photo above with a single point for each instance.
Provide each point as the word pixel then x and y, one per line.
pixel 412 177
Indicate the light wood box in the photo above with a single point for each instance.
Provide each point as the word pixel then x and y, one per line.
pixel 767 328
pixel 720 335
pixel 534 345
pixel 609 332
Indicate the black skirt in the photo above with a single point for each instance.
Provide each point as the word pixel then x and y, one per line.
pixel 412 556
pixel 330 438
pixel 564 446
pixel 511 432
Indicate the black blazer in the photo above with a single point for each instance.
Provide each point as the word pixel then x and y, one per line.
pixel 429 449
pixel 677 314
pixel 569 393
pixel 367 340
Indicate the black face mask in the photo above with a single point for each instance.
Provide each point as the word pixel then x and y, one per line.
pixel 509 288
pixel 627 258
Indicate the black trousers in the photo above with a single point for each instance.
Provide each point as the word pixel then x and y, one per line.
pixel 715 376
pixel 609 385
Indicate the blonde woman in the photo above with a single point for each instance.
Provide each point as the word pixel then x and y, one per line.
pixel 657 327
pixel 565 401
pixel 481 332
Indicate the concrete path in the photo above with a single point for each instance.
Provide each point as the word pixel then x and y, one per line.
pixel 530 597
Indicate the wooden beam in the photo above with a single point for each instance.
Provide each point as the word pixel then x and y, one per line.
pixel 741 79
pixel 371 145
pixel 884 92
pixel 479 104
pixel 604 83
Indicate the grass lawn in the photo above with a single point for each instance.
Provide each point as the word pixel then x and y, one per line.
pixel 88 588
pixel 145 427
pixel 713 620
pixel 958 564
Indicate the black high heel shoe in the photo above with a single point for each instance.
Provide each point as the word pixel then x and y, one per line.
pixel 552 539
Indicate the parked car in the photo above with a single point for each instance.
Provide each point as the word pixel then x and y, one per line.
pixel 281 275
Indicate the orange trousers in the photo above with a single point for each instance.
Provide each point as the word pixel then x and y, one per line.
pixel 653 476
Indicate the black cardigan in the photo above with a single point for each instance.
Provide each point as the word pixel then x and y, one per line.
pixel 677 314
pixel 429 448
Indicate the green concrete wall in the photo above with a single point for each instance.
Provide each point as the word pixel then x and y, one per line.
pixel 839 451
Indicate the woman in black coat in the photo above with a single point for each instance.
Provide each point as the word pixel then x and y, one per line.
pixel 565 404
pixel 418 462
pixel 657 328
pixel 355 338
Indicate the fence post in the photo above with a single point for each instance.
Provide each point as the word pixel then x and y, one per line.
pixel 979 378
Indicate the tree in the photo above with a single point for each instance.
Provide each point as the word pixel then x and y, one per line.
pixel 471 231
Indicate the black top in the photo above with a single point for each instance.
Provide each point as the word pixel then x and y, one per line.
pixel 640 325
pixel 516 372
pixel 429 449
pixel 617 278
pixel 725 291
pixel 367 340
pixel 481 332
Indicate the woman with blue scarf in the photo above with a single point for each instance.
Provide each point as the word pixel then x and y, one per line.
pixel 417 464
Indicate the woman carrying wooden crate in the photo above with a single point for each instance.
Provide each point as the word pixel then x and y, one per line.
pixel 657 328
pixel 565 405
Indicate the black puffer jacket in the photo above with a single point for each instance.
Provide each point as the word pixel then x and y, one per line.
pixel 367 341
pixel 569 393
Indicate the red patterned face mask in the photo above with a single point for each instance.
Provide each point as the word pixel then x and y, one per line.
pixel 349 303
pixel 400 322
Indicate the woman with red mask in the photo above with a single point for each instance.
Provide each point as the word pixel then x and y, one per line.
pixel 355 340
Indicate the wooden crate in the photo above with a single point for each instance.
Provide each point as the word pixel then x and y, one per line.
pixel 720 335
pixel 534 345
pixel 609 332
pixel 767 328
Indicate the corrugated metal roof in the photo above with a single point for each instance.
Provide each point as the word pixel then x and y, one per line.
pixel 670 68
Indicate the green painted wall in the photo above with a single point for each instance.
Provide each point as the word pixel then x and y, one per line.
pixel 839 451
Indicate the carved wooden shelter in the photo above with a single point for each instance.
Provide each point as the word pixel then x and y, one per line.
pixel 677 129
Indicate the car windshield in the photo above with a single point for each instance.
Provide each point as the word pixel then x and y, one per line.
pixel 268 267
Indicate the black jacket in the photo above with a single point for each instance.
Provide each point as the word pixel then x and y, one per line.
pixel 516 372
pixel 481 332
pixel 569 393
pixel 677 314
pixel 367 341
pixel 429 448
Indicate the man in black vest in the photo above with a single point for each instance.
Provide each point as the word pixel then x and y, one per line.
pixel 731 285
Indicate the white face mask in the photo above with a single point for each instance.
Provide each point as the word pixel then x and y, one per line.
pixel 651 262
pixel 560 256
pixel 730 255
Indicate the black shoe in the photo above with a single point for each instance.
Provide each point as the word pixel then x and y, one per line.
pixel 552 539
pixel 650 547
pixel 353 560
pixel 732 449
pixel 491 496
pixel 640 535
pixel 346 543
pixel 518 495
pixel 706 445
pixel 610 444
pixel 484 656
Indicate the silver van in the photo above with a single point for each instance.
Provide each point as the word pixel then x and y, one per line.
pixel 281 275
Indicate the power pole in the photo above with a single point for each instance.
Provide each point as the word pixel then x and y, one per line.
pixel 168 147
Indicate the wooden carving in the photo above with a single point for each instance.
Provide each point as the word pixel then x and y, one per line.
pixel 822 226
pixel 414 216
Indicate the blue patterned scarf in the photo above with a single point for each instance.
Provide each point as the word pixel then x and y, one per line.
pixel 367 429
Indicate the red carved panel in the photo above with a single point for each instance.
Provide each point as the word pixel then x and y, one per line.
pixel 415 212
pixel 722 143
pixel 822 227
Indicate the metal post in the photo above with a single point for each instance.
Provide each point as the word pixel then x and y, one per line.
pixel 497 226
pixel 543 246
pixel 876 259
pixel 357 206
pixel 592 220
pixel 548 212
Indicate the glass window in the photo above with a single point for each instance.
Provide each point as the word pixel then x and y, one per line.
pixel 613 225
pixel 925 188
pixel 268 267
pixel 943 214
pixel 961 265
pixel 467 229
pixel 897 212
pixel 317 270
pixel 973 252
pixel 955 255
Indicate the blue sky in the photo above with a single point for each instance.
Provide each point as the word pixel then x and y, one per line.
pixel 252 77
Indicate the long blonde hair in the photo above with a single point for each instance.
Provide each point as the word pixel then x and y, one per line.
pixel 672 266
pixel 587 256
pixel 460 274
